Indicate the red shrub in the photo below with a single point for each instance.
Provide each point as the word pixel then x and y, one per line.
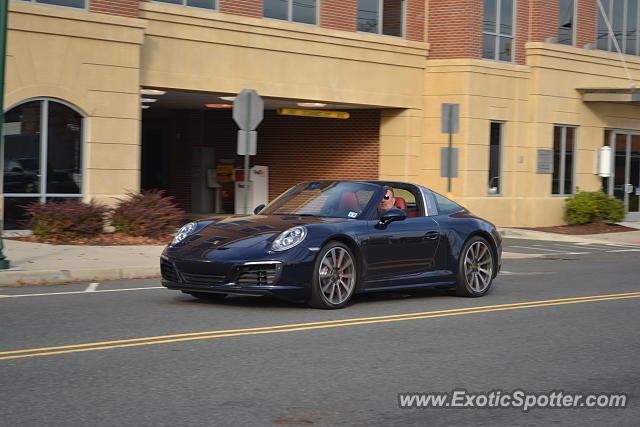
pixel 146 214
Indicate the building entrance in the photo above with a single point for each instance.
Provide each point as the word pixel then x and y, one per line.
pixel 624 183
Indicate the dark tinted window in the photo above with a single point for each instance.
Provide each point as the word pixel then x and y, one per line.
pixel 446 206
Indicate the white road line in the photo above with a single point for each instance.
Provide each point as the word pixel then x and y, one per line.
pixel 92 287
pixel 626 250
pixel 84 292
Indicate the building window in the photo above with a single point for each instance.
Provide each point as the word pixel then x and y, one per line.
pixel 497 33
pixel 563 156
pixel 43 150
pixel 623 16
pixel 566 30
pixel 303 11
pixel 384 17
pixel 79 4
pixel 495 158
pixel 202 4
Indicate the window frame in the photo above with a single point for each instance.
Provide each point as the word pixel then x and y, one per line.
pixel 500 191
pixel 216 5
pixel 574 19
pixel 498 35
pixel 381 21
pixel 290 14
pixel 562 162
pixel 85 8
pixel 623 44
pixel 43 195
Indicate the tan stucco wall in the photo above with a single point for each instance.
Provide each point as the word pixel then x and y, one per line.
pixel 91 61
pixel 207 51
pixel 530 100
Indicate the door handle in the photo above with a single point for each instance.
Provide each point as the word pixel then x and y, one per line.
pixel 431 235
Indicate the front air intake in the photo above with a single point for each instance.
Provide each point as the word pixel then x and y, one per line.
pixel 258 274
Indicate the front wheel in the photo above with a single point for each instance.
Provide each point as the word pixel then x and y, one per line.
pixel 475 268
pixel 334 277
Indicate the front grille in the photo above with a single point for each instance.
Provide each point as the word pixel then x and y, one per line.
pixel 203 279
pixel 168 272
pixel 258 275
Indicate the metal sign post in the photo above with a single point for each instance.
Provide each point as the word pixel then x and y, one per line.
pixel 248 111
pixel 4 10
pixel 449 124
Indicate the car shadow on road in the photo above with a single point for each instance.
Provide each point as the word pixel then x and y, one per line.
pixel 268 302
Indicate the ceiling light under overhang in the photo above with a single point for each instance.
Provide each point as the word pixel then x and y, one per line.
pixel 218 105
pixel 148 100
pixel 152 92
pixel 145 107
pixel 227 98
pixel 311 104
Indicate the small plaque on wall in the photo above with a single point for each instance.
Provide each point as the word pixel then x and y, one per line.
pixel 545 161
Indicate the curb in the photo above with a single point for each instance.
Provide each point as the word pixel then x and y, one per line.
pixel 19 278
pixel 541 235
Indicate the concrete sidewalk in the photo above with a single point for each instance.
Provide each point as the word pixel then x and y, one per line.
pixel 37 263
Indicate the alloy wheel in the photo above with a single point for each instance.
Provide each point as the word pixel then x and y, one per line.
pixel 337 275
pixel 478 266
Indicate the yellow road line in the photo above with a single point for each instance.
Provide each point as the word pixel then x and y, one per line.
pixel 327 322
pixel 319 325
pixel 5 296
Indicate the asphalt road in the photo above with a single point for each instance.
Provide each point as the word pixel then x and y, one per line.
pixel 328 369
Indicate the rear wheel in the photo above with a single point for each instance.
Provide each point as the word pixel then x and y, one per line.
pixel 334 277
pixel 206 295
pixel 475 268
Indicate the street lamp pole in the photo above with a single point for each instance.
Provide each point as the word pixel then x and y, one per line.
pixel 4 11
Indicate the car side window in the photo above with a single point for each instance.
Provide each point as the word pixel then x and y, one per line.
pixel 406 200
pixel 446 206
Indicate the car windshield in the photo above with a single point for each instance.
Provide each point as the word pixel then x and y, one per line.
pixel 336 199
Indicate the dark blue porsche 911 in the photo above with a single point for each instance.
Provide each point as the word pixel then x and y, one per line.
pixel 323 241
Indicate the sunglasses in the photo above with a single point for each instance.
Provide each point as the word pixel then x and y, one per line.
pixel 387 197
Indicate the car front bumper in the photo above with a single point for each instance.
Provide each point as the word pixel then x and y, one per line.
pixel 287 276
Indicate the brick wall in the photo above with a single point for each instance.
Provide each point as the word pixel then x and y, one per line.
pixel 115 7
pixel 416 20
pixel 544 19
pixel 339 14
pixel 523 28
pixel 295 148
pixel 586 22
pixel 251 8
pixel 455 29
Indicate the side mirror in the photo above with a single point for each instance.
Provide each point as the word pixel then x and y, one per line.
pixel 258 208
pixel 393 214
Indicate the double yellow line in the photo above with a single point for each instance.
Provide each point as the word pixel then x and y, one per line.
pixel 163 339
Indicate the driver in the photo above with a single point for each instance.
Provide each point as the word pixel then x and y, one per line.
pixel 388 200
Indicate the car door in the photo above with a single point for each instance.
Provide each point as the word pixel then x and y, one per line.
pixel 401 252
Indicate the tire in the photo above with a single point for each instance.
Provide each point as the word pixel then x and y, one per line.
pixel 206 295
pixel 476 265
pixel 335 276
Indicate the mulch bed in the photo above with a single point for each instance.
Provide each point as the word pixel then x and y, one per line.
pixel 591 228
pixel 106 239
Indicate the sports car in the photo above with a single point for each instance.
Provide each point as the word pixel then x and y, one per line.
pixel 321 242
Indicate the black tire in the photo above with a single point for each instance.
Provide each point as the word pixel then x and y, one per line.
pixel 207 296
pixel 476 266
pixel 335 277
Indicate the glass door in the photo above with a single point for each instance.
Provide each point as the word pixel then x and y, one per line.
pixel 625 181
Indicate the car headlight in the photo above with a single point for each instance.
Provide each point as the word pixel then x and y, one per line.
pixel 183 233
pixel 289 238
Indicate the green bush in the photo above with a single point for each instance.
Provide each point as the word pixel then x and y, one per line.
pixel 593 206
pixel 147 214
pixel 66 220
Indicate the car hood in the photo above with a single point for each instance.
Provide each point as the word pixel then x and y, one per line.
pixel 246 231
